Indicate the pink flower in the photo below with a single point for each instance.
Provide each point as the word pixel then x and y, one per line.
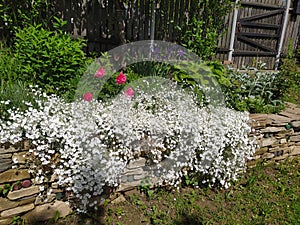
pixel 88 96
pixel 129 92
pixel 121 79
pixel 100 72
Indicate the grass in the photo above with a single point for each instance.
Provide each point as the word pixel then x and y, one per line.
pixel 264 195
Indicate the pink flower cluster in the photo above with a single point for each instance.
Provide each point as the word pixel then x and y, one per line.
pixel 120 79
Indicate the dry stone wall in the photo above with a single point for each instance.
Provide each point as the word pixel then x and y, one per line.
pixel 278 135
pixel 278 138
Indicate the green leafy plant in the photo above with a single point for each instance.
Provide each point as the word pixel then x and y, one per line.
pixel 205 25
pixel 254 90
pixel 5 189
pixel 53 61
pixel 56 216
pixel 290 77
pixel 16 15
pixel 17 220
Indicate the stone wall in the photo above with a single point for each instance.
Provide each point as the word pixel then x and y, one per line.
pixel 278 137
pixel 20 194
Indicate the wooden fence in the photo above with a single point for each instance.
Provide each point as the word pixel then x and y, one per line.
pixel 109 23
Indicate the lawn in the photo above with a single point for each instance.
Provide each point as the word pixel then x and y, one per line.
pixel 266 194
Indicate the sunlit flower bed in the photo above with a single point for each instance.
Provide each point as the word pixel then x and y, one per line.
pixel 88 143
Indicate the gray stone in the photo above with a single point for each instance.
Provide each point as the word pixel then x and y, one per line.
pixel 275 119
pixel 133 171
pixel 5 221
pixel 13 175
pixel 282 141
pixel 295 151
pixel 128 186
pixel 11 149
pixel 138 163
pixel 44 199
pixel 142 176
pixel 16 211
pixel 7 204
pixel 4 160
pixel 282 157
pixel 26 145
pixel 54 185
pixel 5 166
pixel 267 156
pixel 13 195
pixel 268 141
pixel 118 200
pixel 275 149
pixel 292 116
pixel 295 138
pixel 47 212
pixel 295 124
pixel 5 155
pixel 272 129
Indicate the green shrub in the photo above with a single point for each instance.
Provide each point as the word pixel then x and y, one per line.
pixel 290 77
pixel 51 60
pixel 254 90
pixel 8 66
pixel 15 14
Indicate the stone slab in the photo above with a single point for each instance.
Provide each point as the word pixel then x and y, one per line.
pixel 20 157
pixel 295 124
pixel 136 171
pixel 17 211
pixel 295 151
pixel 268 142
pixel 14 175
pixel 5 221
pixel 11 149
pixel 7 204
pixel 295 138
pixel 275 119
pixel 47 212
pixel 282 157
pixel 5 166
pixel 5 155
pixel 292 116
pixel 24 192
pixel 272 129
pixel 138 163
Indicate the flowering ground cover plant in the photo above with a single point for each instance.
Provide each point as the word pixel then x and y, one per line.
pixel 88 143
pixel 95 141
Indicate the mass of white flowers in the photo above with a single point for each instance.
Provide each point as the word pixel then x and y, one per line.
pixel 88 144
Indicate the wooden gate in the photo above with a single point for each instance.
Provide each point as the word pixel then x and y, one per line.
pixel 258 32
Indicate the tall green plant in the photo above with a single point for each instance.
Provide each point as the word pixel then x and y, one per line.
pixel 51 60
pixel 16 14
pixel 204 25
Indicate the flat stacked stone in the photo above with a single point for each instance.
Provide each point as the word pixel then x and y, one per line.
pixel 278 136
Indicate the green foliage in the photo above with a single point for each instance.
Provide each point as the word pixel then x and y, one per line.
pixel 8 66
pixel 15 14
pixel 17 220
pixel 56 216
pixel 50 60
pixel 290 77
pixel 5 189
pixel 254 90
pixel 201 32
